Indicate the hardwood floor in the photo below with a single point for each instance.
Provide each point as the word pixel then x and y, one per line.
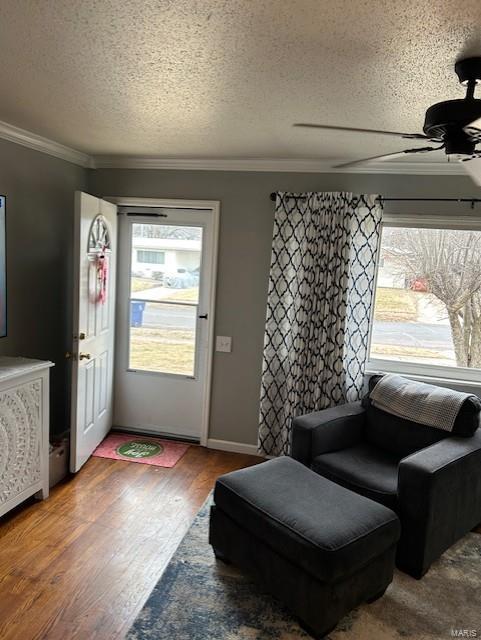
pixel 81 564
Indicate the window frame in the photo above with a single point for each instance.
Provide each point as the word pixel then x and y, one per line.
pixel 457 375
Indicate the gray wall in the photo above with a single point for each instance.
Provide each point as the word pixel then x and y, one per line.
pixel 39 191
pixel 244 256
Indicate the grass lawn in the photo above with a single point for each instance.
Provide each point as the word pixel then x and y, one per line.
pixel 165 293
pixel 165 350
pixel 142 284
pixel 396 305
pixel 185 295
pixel 407 352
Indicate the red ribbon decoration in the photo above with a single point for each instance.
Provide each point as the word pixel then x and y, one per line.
pixel 102 272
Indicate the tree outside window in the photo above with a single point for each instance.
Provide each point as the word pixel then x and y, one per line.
pixel 428 297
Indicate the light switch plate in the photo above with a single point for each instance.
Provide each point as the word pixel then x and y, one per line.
pixel 223 343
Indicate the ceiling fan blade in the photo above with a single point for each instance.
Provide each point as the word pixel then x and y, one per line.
pixel 327 127
pixel 387 156
pixel 354 163
pixel 473 168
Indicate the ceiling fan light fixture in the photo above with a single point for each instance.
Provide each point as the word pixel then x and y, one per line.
pixel 453 125
pixel 474 128
pixel 459 144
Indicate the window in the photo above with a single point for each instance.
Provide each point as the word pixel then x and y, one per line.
pixel 150 257
pixel 427 310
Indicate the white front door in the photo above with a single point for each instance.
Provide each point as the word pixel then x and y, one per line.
pixel 165 319
pixel 92 355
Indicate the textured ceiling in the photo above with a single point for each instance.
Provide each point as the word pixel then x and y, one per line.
pixel 207 78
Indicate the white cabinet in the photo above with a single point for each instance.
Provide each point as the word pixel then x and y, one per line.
pixel 24 430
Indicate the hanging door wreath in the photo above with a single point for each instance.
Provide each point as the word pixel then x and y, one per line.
pixel 99 245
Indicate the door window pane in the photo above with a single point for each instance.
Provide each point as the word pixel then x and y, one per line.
pixel 428 297
pixel 166 262
pixel 165 273
pixel 162 337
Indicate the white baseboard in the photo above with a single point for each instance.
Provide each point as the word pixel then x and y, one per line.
pixel 233 447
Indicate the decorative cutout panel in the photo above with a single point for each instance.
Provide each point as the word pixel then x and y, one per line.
pixel 99 236
pixel 20 433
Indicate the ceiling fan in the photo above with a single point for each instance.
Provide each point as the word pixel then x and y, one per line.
pixel 453 125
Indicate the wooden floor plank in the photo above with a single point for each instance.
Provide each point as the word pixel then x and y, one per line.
pixel 81 564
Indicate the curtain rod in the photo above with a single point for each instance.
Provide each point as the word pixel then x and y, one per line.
pixel 382 199
pixel 145 215
pixel 471 200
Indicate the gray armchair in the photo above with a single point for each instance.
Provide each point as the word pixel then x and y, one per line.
pixel 429 477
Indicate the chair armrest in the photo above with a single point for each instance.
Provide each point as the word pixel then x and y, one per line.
pixel 327 430
pixel 439 492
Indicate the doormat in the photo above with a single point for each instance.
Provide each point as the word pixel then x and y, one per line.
pixel 143 449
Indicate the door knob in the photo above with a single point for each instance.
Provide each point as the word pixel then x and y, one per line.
pixel 84 356
pixel 70 356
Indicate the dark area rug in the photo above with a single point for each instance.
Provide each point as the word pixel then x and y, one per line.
pixel 199 598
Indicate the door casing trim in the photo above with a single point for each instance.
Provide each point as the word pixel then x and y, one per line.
pixel 214 206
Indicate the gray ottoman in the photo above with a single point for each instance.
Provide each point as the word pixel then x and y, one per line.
pixel 319 548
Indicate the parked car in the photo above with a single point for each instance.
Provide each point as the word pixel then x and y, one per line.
pixel 181 279
pixel 158 275
pixel 149 274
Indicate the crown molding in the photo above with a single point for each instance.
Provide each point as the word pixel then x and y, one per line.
pixel 408 168
pixel 273 165
pixel 44 145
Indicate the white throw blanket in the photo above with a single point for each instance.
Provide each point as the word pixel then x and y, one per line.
pixel 419 402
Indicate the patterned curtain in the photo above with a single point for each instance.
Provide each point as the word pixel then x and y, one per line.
pixel 319 303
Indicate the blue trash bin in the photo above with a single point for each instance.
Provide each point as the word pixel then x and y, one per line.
pixel 137 308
